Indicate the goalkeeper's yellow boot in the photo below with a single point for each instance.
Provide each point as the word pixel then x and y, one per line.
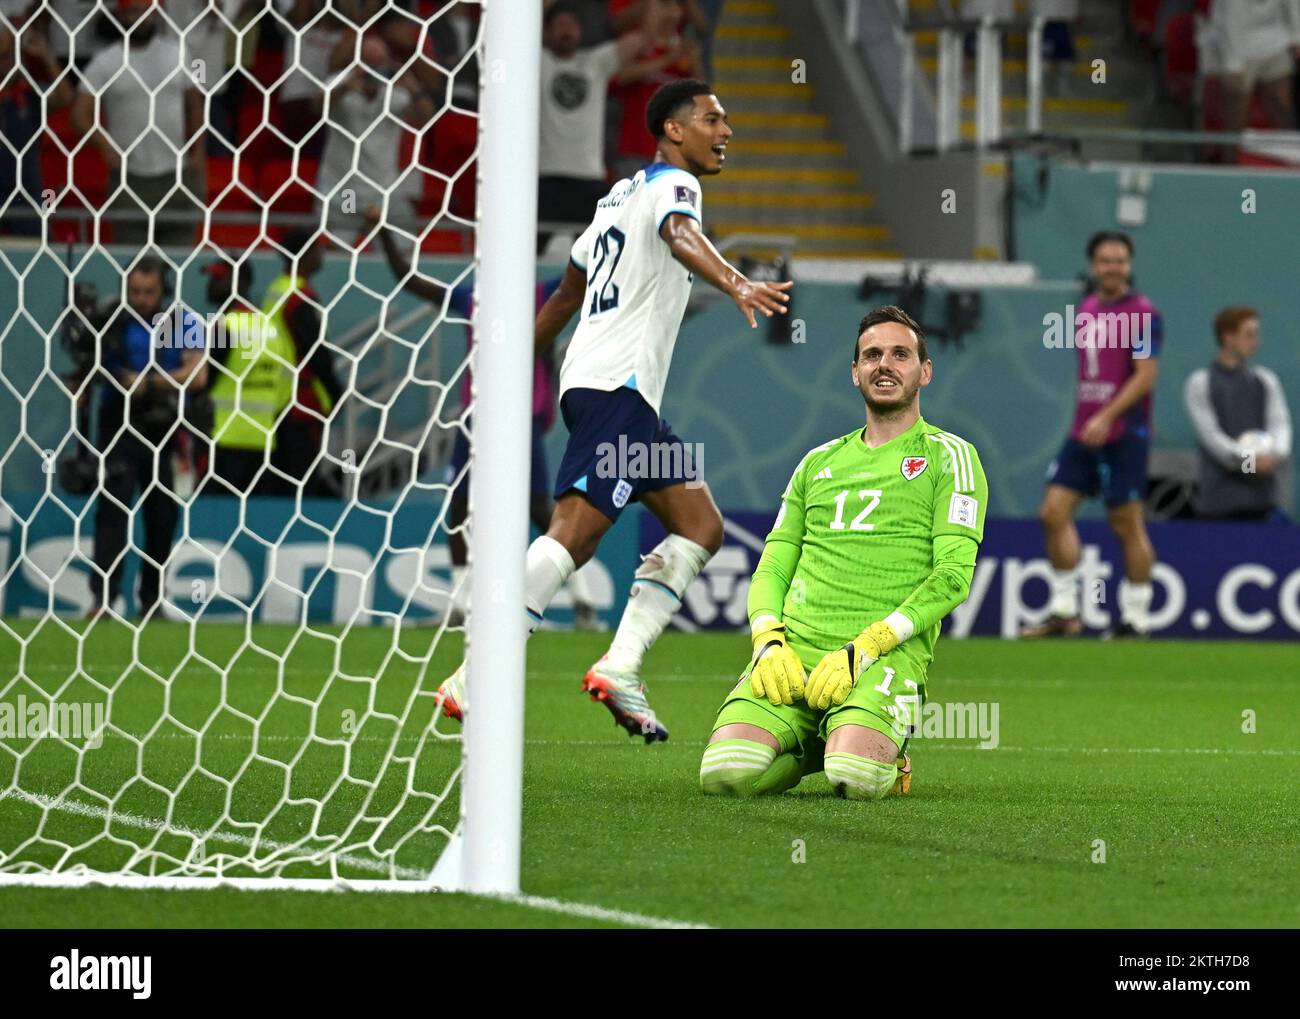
pixel 451 695
pixel 903 784
pixel 624 694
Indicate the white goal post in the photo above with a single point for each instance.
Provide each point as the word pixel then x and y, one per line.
pixel 239 738
pixel 493 795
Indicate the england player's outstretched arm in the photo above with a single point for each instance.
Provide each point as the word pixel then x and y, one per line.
pixel 694 250
pixel 559 308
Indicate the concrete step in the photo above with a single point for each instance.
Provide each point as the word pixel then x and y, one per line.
pixel 790 91
pixel 739 100
pixel 754 69
pixel 787 172
pixel 739 12
pixel 780 125
pixel 729 31
pixel 824 234
pixel 741 148
pixel 777 207
pixel 782 163
pixel 783 179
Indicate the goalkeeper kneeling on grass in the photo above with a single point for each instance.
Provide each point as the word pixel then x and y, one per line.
pixel 874 544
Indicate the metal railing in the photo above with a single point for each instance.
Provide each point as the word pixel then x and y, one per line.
pixel 946 97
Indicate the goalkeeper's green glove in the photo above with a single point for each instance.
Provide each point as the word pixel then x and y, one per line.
pixel 776 673
pixel 835 674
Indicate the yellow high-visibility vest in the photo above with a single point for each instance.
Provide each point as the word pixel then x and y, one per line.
pixel 273 306
pixel 256 383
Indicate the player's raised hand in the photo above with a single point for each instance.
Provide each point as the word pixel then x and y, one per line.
pixel 777 673
pixel 768 298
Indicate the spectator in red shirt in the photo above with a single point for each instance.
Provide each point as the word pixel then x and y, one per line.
pixel 665 54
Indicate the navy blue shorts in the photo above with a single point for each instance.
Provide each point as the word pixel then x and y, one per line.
pixel 619 449
pixel 538 472
pixel 1117 470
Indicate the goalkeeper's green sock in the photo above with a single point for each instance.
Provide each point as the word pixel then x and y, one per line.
pixel 859 778
pixel 741 767
pixel 782 774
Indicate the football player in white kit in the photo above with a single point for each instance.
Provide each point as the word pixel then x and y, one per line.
pixel 630 275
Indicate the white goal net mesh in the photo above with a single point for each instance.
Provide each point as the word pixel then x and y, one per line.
pixel 233 440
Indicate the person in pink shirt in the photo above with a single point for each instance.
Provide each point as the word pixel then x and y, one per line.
pixel 1117 334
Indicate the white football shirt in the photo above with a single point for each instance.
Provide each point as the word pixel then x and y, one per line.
pixel 571 140
pixel 636 291
pixel 142 100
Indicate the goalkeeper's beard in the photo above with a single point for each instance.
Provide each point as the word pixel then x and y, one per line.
pixel 883 410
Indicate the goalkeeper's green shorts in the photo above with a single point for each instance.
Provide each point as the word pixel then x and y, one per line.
pixel 887 697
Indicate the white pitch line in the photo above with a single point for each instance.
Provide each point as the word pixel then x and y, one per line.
pixel 137 882
pixel 589 912
pixel 411 880
pixel 157 824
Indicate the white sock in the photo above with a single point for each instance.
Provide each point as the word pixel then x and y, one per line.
pixel 549 566
pixel 1135 604
pixel 1065 592
pixel 581 587
pixel 661 580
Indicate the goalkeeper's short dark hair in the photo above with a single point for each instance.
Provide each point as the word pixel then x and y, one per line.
pixel 669 99
pixel 892 313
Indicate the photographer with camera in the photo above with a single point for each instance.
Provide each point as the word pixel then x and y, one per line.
pixel 152 374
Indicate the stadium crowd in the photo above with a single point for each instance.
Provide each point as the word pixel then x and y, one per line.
pixel 1232 62
pixel 285 106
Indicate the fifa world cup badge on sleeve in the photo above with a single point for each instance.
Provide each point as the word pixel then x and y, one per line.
pixel 963 510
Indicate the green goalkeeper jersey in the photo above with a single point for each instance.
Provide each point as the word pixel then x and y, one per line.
pixel 863 533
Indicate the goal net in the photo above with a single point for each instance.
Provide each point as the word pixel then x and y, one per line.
pixel 234 448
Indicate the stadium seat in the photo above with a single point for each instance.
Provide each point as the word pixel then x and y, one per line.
pixel 89 177
pixel 455 140
pixel 274 174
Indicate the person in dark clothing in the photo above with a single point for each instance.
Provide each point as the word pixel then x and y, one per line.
pixel 1242 425
pixel 149 369
pixel 294 308
pixel 21 121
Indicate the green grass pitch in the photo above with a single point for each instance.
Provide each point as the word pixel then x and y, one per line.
pixel 1137 746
